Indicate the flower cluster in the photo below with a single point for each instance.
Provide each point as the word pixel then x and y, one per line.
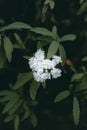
pixel 44 69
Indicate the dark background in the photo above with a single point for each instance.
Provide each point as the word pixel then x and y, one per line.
pixel 51 116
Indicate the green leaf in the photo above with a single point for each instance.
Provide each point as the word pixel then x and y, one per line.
pixel 62 95
pixel 16 25
pixel 33 119
pixel 69 37
pixel 4 99
pixel 33 89
pixel 45 39
pixel 14 108
pixel 81 1
pixel 43 31
pixel 27 111
pixel 8 96
pixel 5 92
pixel 19 41
pixel 39 45
pixel 54 30
pixel 8 47
pixel 52 4
pixel 84 69
pixel 12 96
pixel 16 122
pixel 53 48
pixel 77 76
pixel 82 8
pixel 9 118
pixel 81 87
pixel 47 2
pixel 84 59
pixel 22 79
pixel 73 69
pixel 76 110
pixel 62 54
pixel 2 57
pixel 9 105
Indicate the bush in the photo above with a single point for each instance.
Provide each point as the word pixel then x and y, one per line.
pixel 43 67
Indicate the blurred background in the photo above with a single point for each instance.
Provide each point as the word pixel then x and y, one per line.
pixel 69 16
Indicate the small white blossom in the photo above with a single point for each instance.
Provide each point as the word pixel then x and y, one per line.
pixel 37 77
pixel 43 68
pixel 56 73
pixel 39 55
pixel 45 76
pixel 57 59
pixel 41 77
pixel 47 64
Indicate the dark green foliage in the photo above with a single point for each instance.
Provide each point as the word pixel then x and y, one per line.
pixel 58 28
pixel 76 110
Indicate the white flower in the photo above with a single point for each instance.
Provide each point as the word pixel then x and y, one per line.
pixel 37 77
pixel 41 77
pixel 46 76
pixel 47 64
pixel 56 73
pixel 43 68
pixel 39 55
pixel 57 59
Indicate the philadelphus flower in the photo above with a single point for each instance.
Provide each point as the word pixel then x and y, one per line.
pixel 44 69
